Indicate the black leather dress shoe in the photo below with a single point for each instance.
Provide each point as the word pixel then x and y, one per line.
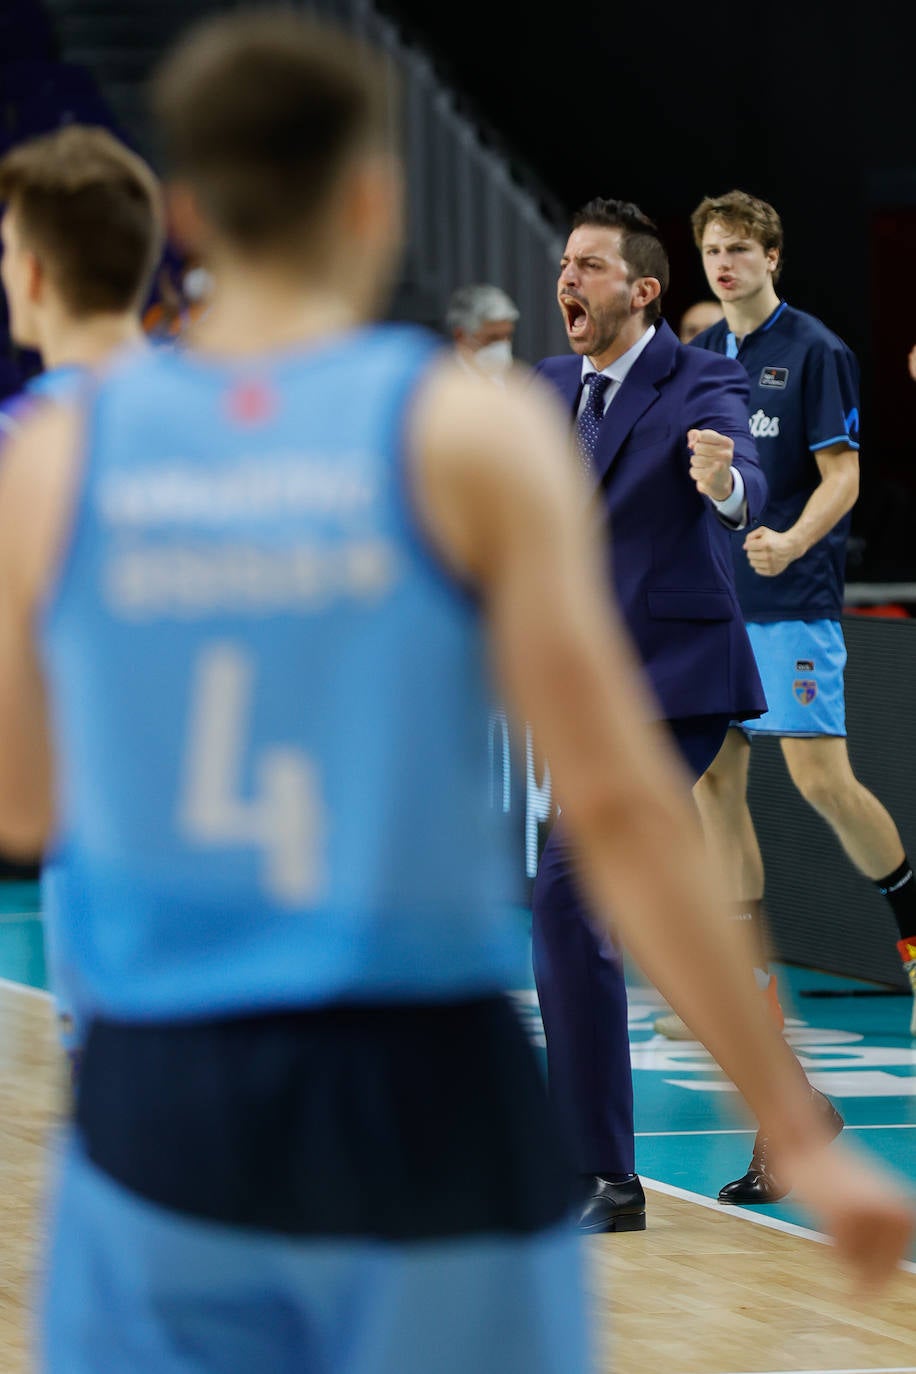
pixel 619 1206
pixel 759 1184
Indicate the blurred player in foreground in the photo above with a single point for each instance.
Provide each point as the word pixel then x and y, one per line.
pixel 244 603
pixel 81 235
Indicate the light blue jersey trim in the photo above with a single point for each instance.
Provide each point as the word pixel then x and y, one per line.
pixel 768 324
pixel 732 347
pixel 837 439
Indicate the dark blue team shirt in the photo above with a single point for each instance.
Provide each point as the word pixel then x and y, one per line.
pixel 804 397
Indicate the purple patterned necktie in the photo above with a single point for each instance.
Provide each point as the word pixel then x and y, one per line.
pixel 588 424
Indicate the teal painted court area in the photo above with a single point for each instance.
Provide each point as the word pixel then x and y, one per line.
pixel 851 1037
pixel 854 1045
pixel 22 958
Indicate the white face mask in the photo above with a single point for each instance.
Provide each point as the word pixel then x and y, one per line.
pixel 494 357
pixel 196 284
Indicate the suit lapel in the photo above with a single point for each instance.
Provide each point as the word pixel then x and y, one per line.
pixel 629 405
pixel 639 390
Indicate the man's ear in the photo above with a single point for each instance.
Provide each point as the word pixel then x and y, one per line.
pixel 35 277
pixel 645 291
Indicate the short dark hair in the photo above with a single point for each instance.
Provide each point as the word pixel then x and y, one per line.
pixel 744 213
pixel 91 210
pixel 641 246
pixel 260 110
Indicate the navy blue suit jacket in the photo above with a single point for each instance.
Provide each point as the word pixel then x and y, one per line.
pixel 670 554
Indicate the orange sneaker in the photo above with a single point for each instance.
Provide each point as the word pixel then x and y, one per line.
pixel 907 951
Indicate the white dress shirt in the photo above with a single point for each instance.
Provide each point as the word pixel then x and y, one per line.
pixel 734 508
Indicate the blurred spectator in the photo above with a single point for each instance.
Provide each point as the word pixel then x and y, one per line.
pixel 481 320
pixel 911 360
pixel 176 307
pixel 698 317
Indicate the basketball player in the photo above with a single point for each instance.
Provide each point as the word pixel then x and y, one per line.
pixel 80 237
pixel 789 573
pixel 247 592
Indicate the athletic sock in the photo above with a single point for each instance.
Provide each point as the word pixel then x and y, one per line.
pixel 899 890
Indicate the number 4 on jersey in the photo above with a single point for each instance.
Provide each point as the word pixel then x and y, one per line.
pixel 285 818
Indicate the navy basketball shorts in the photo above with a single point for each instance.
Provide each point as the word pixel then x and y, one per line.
pixel 356 1190
pixel 801 665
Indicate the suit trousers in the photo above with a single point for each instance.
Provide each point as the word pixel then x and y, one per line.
pixel 582 993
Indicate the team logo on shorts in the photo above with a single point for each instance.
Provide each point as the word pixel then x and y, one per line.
pixel 775 377
pixel 804 665
pixel 805 689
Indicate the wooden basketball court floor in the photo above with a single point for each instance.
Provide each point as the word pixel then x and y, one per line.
pixel 704 1290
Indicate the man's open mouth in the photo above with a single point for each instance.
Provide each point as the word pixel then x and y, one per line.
pixel 576 315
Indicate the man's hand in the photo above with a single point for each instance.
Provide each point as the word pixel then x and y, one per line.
pixel 711 457
pixel 911 362
pixel 868 1212
pixel 769 552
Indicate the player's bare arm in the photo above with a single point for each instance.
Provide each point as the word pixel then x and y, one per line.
pixel 770 552
pixel 37 475
pixel 500 495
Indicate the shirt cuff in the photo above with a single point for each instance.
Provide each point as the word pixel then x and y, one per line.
pixel 734 507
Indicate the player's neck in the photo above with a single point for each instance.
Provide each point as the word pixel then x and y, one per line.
pixel 743 317
pixel 251 314
pixel 67 342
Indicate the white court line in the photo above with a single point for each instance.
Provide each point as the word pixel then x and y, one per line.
pixel 746 1214
pixel 893 1369
pixel 7 985
pixel 887 1126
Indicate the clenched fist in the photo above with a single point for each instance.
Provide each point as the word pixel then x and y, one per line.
pixel 711 457
pixel 770 552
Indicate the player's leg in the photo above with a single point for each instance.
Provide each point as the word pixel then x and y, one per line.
pixel 721 797
pixel 822 772
pixel 728 830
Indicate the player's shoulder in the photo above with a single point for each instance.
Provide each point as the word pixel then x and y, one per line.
pixel 465 424
pixel 701 363
pixel 132 367
pixel 810 332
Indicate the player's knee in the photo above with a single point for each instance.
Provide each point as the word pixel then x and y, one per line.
pixel 823 789
pixel 721 788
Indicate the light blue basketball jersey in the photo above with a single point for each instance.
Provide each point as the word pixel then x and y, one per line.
pixel 270 703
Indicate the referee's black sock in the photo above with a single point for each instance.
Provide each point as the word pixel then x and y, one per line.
pixel 900 891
